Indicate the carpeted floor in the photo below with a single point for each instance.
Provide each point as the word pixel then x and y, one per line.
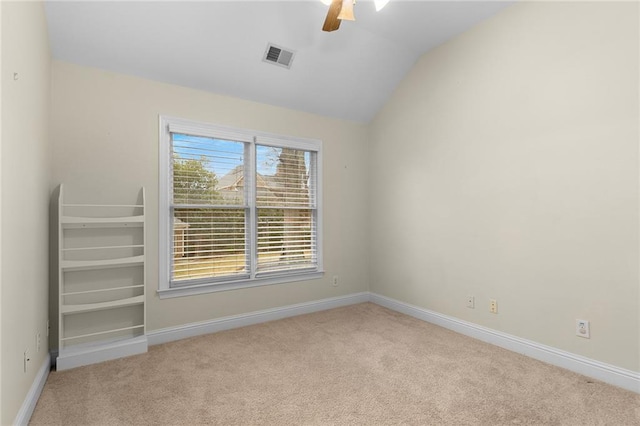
pixel 361 364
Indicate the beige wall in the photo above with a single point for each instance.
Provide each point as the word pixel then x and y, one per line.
pixel 506 166
pixel 25 170
pixel 105 145
pixel 1 74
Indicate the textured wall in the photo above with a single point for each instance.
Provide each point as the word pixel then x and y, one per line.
pixel 25 179
pixel 105 133
pixel 506 166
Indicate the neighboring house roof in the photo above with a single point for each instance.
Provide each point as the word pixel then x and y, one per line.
pixel 231 184
pixel 235 179
pixel 231 180
pixel 178 224
pixel 270 188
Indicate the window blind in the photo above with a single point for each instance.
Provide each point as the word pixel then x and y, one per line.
pixel 239 208
pixel 209 206
pixel 286 185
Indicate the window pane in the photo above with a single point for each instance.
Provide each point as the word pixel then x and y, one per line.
pixel 240 207
pixel 286 239
pixel 207 171
pixel 283 178
pixel 208 243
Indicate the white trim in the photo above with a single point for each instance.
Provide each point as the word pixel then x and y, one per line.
pixel 164 231
pixel 607 373
pixel 319 206
pixel 77 357
pixel 199 128
pixel 226 323
pixel 251 224
pixel 191 290
pixel 29 403
pixel 288 142
pixel 195 128
pixel 167 125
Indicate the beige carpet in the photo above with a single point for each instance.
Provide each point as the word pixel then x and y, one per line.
pixel 361 364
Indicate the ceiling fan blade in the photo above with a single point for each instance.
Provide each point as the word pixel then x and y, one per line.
pixel 346 13
pixel 332 23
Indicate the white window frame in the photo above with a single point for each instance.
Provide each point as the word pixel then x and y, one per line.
pixel 170 125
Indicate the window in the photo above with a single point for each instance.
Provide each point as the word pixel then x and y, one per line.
pixel 237 208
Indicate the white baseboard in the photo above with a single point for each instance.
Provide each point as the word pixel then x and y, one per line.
pixel 226 323
pixel 607 373
pixel 29 404
pixel 77 357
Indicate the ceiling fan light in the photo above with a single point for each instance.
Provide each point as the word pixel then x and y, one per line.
pixel 380 4
pixel 326 2
pixel 346 13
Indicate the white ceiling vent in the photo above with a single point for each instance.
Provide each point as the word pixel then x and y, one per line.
pixel 278 55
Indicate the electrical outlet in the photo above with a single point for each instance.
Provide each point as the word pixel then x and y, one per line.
pixel 334 281
pixel 26 359
pixel 582 329
pixel 493 306
pixel 38 341
pixel 471 302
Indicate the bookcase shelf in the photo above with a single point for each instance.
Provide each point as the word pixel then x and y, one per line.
pixel 88 307
pixel 101 333
pixel 79 265
pixel 101 222
pixel 100 315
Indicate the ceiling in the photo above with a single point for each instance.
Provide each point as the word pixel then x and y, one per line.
pixel 218 46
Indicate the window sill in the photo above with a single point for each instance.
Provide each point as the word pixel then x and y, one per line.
pixel 192 290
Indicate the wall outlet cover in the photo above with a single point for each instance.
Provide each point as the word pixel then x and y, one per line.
pixel 471 302
pixel 493 306
pixel 583 329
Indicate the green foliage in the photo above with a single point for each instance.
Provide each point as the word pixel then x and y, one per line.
pixel 207 230
pixel 211 232
pixel 193 182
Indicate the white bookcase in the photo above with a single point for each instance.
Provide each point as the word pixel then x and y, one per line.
pixel 101 281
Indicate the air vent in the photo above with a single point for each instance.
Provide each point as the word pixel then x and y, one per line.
pixel 278 55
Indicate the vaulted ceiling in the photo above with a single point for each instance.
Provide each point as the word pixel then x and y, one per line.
pixel 218 46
